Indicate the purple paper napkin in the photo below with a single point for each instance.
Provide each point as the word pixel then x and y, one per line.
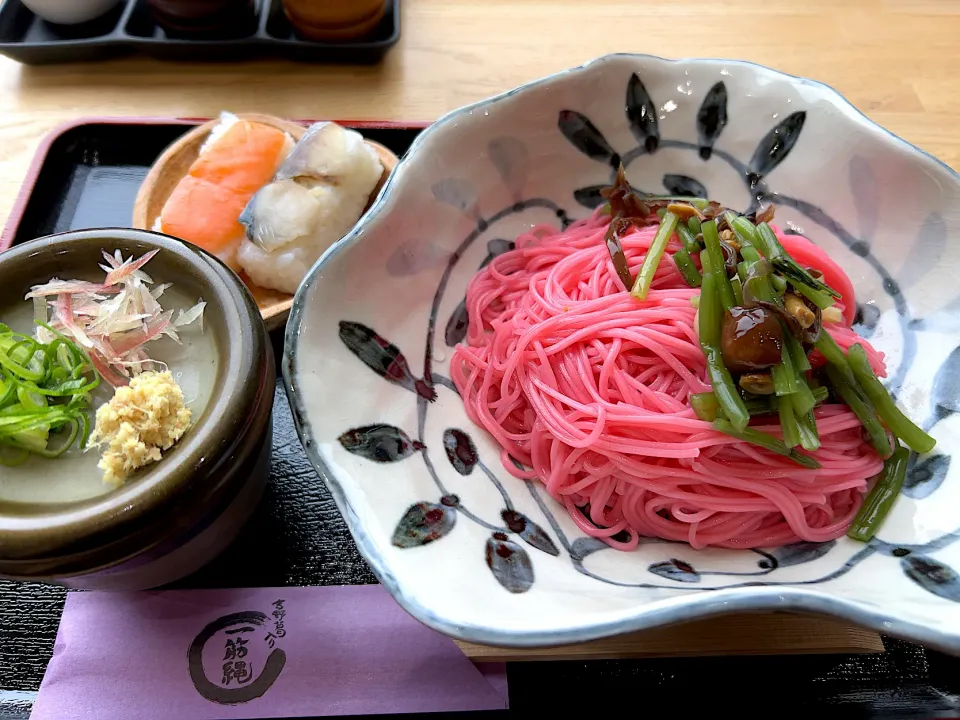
pixel 255 653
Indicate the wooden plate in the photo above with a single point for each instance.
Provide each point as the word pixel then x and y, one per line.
pixel 175 162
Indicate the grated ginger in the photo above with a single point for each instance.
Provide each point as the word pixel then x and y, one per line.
pixel 142 419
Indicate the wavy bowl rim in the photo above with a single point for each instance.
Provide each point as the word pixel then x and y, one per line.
pixel 783 598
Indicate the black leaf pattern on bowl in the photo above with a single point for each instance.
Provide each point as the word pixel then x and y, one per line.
pixel 866 197
pixel 925 476
pixel 677 570
pixel 586 138
pixel 461 452
pixel 684 186
pixel 590 196
pixel 380 443
pixel 423 523
pixel 512 160
pixel 774 147
pixel 456 192
pixel 795 554
pixel 532 534
pixel 926 252
pixel 584 546
pixel 495 247
pixel 932 575
pixel 456 329
pixel 383 357
pixel 642 114
pixel 865 320
pixel 509 563
pixel 711 119
pixel 945 396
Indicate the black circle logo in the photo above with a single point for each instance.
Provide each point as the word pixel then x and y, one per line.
pixel 240 680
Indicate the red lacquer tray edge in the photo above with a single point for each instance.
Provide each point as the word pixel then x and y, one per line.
pixel 43 149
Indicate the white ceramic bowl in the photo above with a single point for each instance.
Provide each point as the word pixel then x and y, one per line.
pixel 387 298
pixel 70 12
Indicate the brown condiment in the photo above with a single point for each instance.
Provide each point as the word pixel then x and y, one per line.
pixel 335 20
pixel 752 339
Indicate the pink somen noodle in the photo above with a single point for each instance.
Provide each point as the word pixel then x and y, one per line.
pixel 587 388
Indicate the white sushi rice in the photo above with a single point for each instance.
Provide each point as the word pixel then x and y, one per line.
pixel 227 120
pixel 282 269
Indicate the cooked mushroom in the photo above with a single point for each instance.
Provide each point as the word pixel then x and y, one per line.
pixel 729 258
pixel 757 383
pixel 798 309
pixel 752 339
pixel 684 211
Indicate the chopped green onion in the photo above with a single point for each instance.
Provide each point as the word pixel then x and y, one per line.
pixel 711 314
pixel 815 290
pixel 749 254
pixel 745 231
pixel 881 498
pixel 898 423
pixel 661 213
pixel 742 269
pixel 788 423
pixel 711 241
pixel 705 405
pixel 803 399
pixel 797 354
pixel 737 290
pixel 691 276
pixel 758 406
pixel 784 375
pixel 44 395
pixel 835 356
pixel 710 319
pixel 690 243
pixel 779 284
pixel 694 225
pixel 807 428
pixel 768 442
pixel 821 299
pixel 654 254
pixel 850 393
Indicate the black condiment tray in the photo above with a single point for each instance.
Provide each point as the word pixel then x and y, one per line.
pixel 130 27
pixel 86 174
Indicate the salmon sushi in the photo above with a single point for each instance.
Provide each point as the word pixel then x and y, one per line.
pixel 239 158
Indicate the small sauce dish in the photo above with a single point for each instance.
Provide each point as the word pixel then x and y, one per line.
pixel 59 522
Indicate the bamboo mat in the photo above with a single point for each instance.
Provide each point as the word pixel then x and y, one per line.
pixel 752 634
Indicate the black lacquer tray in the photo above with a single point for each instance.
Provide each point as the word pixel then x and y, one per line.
pixel 87 174
pixel 130 28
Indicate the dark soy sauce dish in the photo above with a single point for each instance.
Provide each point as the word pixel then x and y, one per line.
pixel 59 521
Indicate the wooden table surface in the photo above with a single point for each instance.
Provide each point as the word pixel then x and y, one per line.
pixel 897 60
